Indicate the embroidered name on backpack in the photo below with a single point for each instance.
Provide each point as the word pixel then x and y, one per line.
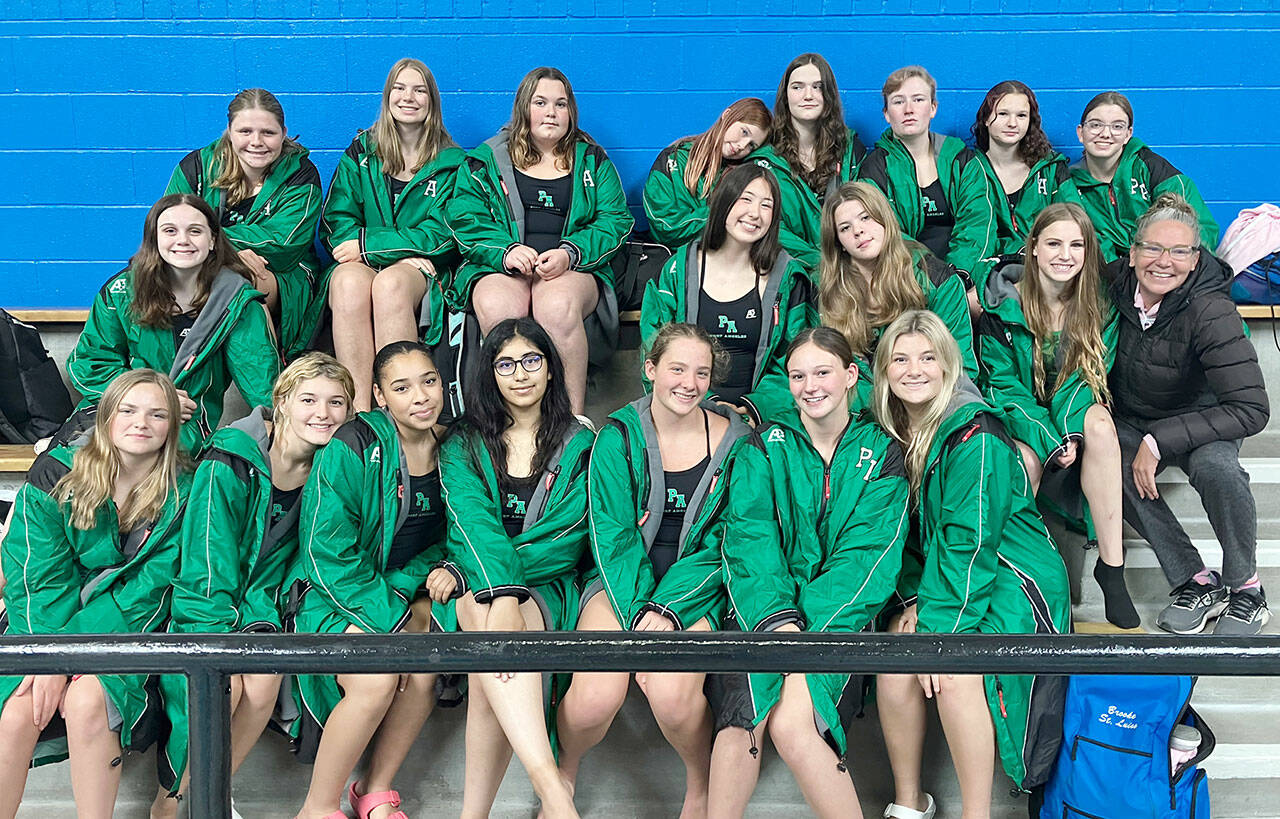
pixel 1119 719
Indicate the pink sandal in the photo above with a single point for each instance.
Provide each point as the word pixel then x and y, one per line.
pixel 364 805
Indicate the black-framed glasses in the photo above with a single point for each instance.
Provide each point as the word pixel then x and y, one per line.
pixel 529 362
pixel 1154 250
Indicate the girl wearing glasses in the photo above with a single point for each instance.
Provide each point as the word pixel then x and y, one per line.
pixel 938 189
pixel 1119 176
pixel 513 477
pixel 657 483
pixel 1019 161
pixel 676 191
pixel 1047 336
pixel 742 288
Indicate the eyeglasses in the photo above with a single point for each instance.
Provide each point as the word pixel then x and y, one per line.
pixel 530 363
pixel 1097 126
pixel 1179 253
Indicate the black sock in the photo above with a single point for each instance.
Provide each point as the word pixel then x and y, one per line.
pixel 1115 596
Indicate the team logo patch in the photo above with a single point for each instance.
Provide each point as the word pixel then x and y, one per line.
pixel 120 285
pixel 431 188
pixel 775 436
pixel 515 504
pixel 676 499
pixel 751 313
pixel 544 198
pixel 421 501
pixel 587 180
pixel 728 325
pixel 375 457
pixel 1042 185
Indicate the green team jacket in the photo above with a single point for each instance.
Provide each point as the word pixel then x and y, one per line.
pixel 63 580
pixel 990 567
pixel 945 295
pixel 487 216
pixel 1140 177
pixel 233 565
pixel 969 193
pixel 541 561
pixel 816 545
pixel 1008 351
pixel 1048 181
pixel 626 493
pixel 350 510
pixel 359 207
pixel 280 227
pixel 231 340
pixel 789 308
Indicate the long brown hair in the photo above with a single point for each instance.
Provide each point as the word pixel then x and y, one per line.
pixel 832 136
pixel 1085 307
pixel 706 153
pixel 765 249
pixel 1035 145
pixel 91 481
pixel 150 277
pixel 846 300
pixel 231 176
pixel 520 142
pixel 386 137
pixel 1108 98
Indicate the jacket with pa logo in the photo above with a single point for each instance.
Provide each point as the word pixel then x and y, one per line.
pixel 280 227
pixel 359 206
pixel 814 544
pixel 1048 181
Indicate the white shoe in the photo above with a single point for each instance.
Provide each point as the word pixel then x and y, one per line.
pixel 898 812
pixel 235 814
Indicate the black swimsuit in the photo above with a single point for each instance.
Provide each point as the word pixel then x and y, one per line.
pixel 282 500
pixel 938 220
pixel 515 502
pixel 736 325
pixel 680 489
pixel 546 204
pixel 423 525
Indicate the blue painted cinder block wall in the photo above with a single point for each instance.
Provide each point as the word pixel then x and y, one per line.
pixel 100 98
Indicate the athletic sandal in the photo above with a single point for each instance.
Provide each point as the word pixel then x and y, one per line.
pixel 364 805
pixel 899 812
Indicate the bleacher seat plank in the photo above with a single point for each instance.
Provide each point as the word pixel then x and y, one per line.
pixel 43 316
pixel 16 457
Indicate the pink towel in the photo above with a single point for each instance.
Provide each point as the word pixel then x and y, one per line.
pixel 1254 234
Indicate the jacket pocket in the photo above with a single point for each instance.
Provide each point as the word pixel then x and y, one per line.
pixel 1069 812
pixel 1110 780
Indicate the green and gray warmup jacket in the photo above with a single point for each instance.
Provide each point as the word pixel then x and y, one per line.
pixel 815 545
pixel 990 567
pixel 676 215
pixel 1140 177
pixel 232 573
pixel 64 580
pixel 359 206
pixel 626 492
pixel 945 295
pixel 231 340
pixel 280 227
pixel 351 508
pixel 541 562
pixel 1048 181
pixel 487 218
pixel 892 169
pixel 789 307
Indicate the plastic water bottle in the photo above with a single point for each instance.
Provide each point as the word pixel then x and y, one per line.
pixel 1183 746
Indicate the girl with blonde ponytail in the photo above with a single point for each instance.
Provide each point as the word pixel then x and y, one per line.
pixel 1047 337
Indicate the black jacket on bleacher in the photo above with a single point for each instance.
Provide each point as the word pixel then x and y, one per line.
pixel 1192 377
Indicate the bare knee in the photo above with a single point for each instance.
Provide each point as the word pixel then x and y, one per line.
pixel 471 615
pixel 372 692
pixel 15 719
pixel 790 730
pixel 1100 429
pixel 560 317
pixel 597 698
pixel 398 287
pixel 1031 462
pixel 350 287
pixel 897 690
pixel 259 689
pixel 85 707
pixel 672 701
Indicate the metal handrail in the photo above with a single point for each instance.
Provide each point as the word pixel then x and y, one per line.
pixel 208 660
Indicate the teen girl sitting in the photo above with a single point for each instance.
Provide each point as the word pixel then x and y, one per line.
pixel 1119 177
pixel 240 537
pixel 939 193
pixel 742 288
pixel 818 517
pixel 870 275
pixel 1019 162
pixel 986 565
pixel 678 185
pixel 656 487
pixel 385 224
pixel 1047 340
pixel 538 213
pixel 183 306
pixel 266 193
pixel 91 548
pixel 371 560
pixel 514 480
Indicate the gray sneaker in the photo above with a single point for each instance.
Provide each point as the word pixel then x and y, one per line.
pixel 1193 604
pixel 1246 614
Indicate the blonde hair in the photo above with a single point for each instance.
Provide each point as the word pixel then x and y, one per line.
pixel 889 409
pixel 706 149
pixel 231 176
pixel 304 368
pixel 1085 307
pixel 846 300
pixel 91 481
pixel 1168 207
pixel 386 137
pixel 899 78
pixel 670 332
pixel 520 141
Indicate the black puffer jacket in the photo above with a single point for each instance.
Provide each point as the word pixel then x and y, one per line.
pixel 1192 377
